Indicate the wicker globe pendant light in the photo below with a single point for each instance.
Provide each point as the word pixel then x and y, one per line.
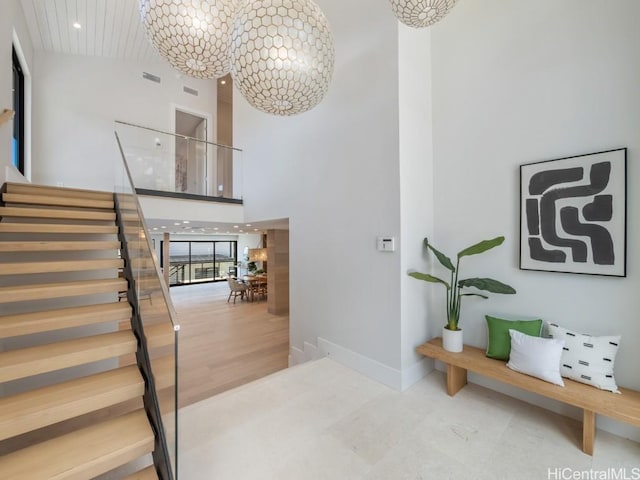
pixel 421 13
pixel 282 55
pixel 192 35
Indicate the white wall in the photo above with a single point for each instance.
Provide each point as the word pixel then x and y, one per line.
pixel 11 20
pixel 519 82
pixel 416 194
pixel 76 101
pixel 333 172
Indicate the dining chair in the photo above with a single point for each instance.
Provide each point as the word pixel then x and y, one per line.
pixel 236 289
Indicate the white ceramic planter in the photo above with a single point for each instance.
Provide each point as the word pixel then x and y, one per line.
pixel 452 340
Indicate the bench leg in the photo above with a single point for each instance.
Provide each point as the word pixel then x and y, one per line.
pixel 456 379
pixel 588 431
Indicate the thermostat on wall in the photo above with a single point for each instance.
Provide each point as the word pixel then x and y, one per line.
pixel 386 244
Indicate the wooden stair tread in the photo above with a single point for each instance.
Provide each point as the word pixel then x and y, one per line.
pixel 49 246
pixel 68 214
pixel 55 200
pixel 48 405
pixel 44 321
pixel 15 227
pixel 84 453
pixel 148 473
pixel 25 362
pixel 159 334
pixel 19 268
pixel 19 293
pixel 48 190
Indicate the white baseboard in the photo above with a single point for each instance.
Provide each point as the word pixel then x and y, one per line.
pixel 296 356
pixel 365 365
pixel 417 371
pixel 396 379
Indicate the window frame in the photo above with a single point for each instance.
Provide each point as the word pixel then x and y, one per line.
pixel 19 94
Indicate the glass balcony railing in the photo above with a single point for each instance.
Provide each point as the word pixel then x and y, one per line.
pixel 154 318
pixel 166 163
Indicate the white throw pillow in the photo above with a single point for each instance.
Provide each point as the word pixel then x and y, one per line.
pixel 587 359
pixel 536 356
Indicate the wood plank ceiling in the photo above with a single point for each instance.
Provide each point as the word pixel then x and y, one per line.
pixel 109 28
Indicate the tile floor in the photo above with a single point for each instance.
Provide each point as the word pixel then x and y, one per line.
pixel 322 420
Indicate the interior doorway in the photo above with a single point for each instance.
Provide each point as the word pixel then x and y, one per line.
pixel 224 131
pixel 191 153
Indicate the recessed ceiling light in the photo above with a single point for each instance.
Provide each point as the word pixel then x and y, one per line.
pixel 215 228
pixel 177 223
pixel 236 226
pixel 163 226
pixel 248 225
pixel 241 231
pixel 185 221
pixel 77 25
pixel 255 229
pixel 155 228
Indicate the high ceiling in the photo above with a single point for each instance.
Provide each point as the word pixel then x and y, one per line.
pixel 112 28
pixel 108 28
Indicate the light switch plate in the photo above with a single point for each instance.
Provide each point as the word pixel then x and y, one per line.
pixel 386 244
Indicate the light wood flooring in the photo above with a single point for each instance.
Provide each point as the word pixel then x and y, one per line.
pixel 222 345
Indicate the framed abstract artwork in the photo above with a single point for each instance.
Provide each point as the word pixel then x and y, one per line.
pixel 573 214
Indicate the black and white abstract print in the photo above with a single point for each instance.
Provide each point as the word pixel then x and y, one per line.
pixel 573 214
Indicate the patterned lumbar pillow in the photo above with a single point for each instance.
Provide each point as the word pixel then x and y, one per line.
pixel 536 356
pixel 587 359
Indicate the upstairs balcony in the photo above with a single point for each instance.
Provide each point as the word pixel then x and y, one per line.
pixel 164 164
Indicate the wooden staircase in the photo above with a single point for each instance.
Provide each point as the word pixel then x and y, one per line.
pixel 71 393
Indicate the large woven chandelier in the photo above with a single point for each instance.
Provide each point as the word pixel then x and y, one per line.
pixel 282 55
pixel 421 13
pixel 192 35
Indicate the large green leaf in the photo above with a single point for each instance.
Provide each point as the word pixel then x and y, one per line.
pixel 442 258
pixel 428 278
pixel 481 247
pixel 486 284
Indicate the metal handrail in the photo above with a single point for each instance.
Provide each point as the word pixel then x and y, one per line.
pixel 178 136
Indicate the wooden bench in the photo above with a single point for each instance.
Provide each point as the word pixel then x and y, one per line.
pixel 625 407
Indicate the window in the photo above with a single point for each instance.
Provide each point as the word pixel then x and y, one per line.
pixel 200 261
pixel 17 144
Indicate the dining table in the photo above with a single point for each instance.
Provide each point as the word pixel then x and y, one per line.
pixel 255 283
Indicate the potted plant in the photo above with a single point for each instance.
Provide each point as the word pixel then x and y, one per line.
pixel 452 333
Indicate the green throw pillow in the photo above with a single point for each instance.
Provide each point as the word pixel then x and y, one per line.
pixel 499 345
